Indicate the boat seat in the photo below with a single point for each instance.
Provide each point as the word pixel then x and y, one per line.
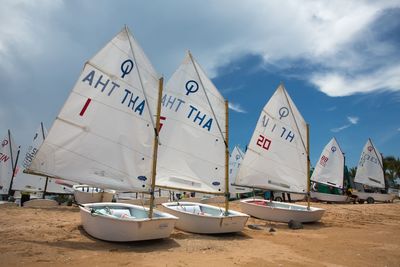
pixel 121 213
pixel 193 209
pixel 117 213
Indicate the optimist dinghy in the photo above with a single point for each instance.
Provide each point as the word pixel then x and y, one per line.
pixel 125 222
pixel 370 173
pixel 329 171
pixel 106 135
pixel 276 159
pixel 194 153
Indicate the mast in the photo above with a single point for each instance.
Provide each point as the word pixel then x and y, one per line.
pixel 344 166
pixel 13 164
pixel 11 152
pixel 226 158
pixel 155 148
pixel 308 166
pixel 47 178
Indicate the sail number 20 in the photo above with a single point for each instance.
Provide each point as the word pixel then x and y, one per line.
pixel 263 142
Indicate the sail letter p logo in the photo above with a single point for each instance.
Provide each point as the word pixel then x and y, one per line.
pixel 126 67
pixel 283 112
pixel 4 143
pixel 191 87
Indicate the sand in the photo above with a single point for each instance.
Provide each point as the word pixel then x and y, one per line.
pixel 348 235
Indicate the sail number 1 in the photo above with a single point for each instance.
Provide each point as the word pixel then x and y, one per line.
pixel 263 142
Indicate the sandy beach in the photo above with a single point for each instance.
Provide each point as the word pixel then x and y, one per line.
pixel 348 235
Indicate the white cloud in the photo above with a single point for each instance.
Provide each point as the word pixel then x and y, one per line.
pixel 353 120
pixel 217 33
pixel 236 107
pixel 335 84
pixel 338 129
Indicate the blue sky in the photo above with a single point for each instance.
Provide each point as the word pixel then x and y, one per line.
pixel 339 60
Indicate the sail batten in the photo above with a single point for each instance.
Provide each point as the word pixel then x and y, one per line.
pixel 276 158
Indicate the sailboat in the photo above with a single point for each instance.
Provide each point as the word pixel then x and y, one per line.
pixel 370 173
pixel 329 171
pixel 194 153
pixel 34 184
pixel 277 159
pixel 106 136
pixel 9 153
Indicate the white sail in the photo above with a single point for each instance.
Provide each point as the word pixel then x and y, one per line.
pixel 103 136
pixel 191 155
pixel 235 160
pixel 276 157
pixel 34 183
pixel 370 169
pixel 8 154
pixel 330 166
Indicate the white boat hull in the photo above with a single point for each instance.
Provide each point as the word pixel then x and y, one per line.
pixel 375 196
pixel 38 203
pixel 280 212
pixel 205 219
pixel 87 194
pixel 134 227
pixel 329 197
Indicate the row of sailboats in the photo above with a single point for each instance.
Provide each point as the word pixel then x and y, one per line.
pixel 119 130
pixel 108 134
pixel 330 173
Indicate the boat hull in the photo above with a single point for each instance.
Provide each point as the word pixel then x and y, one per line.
pixel 125 228
pixel 87 194
pixel 329 197
pixel 280 212
pixel 375 196
pixel 205 219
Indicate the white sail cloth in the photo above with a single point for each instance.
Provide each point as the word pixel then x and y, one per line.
pixel 276 157
pixel 370 168
pixel 103 135
pixel 8 154
pixel 235 160
pixel 330 166
pixel 191 154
